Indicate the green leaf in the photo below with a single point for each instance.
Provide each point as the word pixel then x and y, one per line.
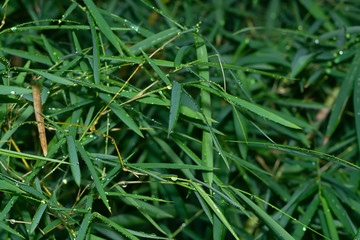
pixel 329 219
pixel 299 232
pixel 102 24
pixel 37 217
pixel 84 226
pixel 156 68
pixel 4 185
pixel 153 40
pixel 75 168
pixel 34 57
pixel 15 154
pixel 215 209
pixel 316 11
pixel 53 56
pixel 300 64
pixel 175 105
pixel 172 166
pixel 207 156
pixel 344 94
pixel 94 175
pixel 266 218
pixel 180 55
pixel 356 102
pixel 339 211
pixel 49 76
pixel 121 113
pixel 11 90
pixel 115 226
pixel 10 230
pixel 262 112
pixel 136 196
pixel 96 59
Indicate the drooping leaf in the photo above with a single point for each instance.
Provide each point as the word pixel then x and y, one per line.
pixel 175 105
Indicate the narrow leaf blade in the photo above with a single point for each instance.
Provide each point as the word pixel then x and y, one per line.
pixel 92 170
pixel 37 217
pixel 174 105
pixel 74 161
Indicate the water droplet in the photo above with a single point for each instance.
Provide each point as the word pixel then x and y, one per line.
pixel 124 185
pixel 252 197
pixel 13 92
pixel 12 221
pixel 316 41
pixel 13 29
pixel 173 178
pixel 304 229
pixel 341 52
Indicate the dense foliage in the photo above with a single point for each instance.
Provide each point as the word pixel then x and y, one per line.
pixel 179 119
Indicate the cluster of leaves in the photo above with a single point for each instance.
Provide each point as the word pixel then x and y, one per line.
pixel 230 118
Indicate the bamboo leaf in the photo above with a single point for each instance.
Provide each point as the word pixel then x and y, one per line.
pixel 15 154
pixel 10 230
pixel 96 59
pixel 154 40
pixel 172 166
pixel 37 217
pixel 102 24
pixel 156 68
pixel 136 196
pixel 180 55
pixel 343 96
pixel 339 211
pixel 299 232
pixel 207 141
pixel 115 226
pixel 34 57
pixel 175 105
pixel 215 209
pixel 356 102
pixel 271 223
pixel 49 76
pixel 75 168
pixel 300 64
pixel 12 90
pixel 4 185
pixel 84 226
pixel 329 219
pixel 92 170
pixel 122 114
